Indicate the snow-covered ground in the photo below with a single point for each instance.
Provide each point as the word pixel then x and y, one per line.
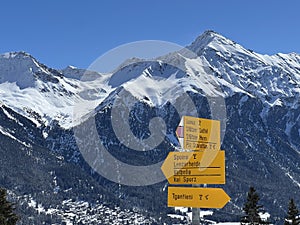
pixel 186 213
pixel 83 212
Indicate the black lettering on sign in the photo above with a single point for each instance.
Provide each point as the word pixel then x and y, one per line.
pixel 189 179
pixel 194 156
pixel 203 197
pixel 176 179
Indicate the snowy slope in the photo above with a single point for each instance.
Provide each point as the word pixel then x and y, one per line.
pixel 43 94
pixel 276 76
pixel 219 67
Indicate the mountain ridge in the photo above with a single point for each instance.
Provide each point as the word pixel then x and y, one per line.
pixel 261 139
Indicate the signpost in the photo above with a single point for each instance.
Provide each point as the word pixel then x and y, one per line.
pixel 189 168
pixel 197 197
pixel 202 162
pixel 198 134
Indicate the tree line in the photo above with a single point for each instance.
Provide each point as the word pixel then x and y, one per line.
pixel 7 214
pixel 252 211
pixel 251 208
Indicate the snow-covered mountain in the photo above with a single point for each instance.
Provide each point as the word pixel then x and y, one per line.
pixel 30 87
pixel 259 93
pixel 273 79
pixel 270 78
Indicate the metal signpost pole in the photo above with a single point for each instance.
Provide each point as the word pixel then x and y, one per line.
pixel 196 212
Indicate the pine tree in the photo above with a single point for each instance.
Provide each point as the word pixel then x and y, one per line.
pixel 7 215
pixel 251 208
pixel 292 217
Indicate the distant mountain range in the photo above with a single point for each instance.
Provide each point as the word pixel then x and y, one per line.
pixel 255 96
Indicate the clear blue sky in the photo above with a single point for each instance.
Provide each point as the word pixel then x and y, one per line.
pixel 63 32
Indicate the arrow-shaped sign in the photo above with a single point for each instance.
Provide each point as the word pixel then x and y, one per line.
pixel 198 134
pixel 197 197
pixel 195 167
pixel 206 167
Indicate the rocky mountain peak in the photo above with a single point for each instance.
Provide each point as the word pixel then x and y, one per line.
pixel 208 39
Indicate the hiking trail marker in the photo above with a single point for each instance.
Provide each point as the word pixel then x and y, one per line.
pixel 197 197
pixel 198 134
pixel 195 167
pixel 200 162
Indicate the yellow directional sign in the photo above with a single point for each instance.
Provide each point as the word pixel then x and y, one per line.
pixel 197 197
pixel 198 134
pixel 206 167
